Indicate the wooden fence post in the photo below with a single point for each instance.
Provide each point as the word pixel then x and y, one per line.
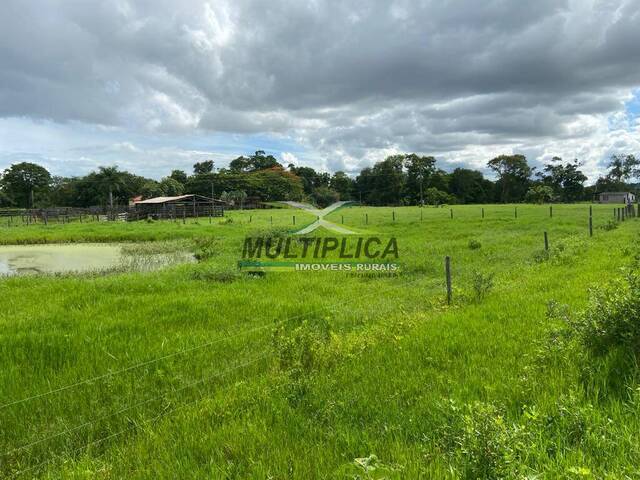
pixel 550 211
pixel 366 219
pixel 271 219
pixel 482 212
pixel 249 218
pixel 447 272
pixel 546 241
pixel 294 219
pixel 342 219
pixel 590 226
pixel 451 213
pixel 393 215
pixel 515 212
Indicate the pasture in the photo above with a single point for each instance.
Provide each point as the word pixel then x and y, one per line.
pixel 202 371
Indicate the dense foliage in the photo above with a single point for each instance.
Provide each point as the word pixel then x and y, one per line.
pixel 403 179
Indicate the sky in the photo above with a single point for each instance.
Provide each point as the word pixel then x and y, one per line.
pixel 153 85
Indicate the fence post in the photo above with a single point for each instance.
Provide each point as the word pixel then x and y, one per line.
pixel 451 213
pixel 294 219
pixel 482 212
pixel 271 219
pixel 515 212
pixel 447 272
pixel 421 214
pixel 393 215
pixel 184 215
pixel 550 211
pixel 366 219
pixel 590 226
pixel 342 219
pixel 546 241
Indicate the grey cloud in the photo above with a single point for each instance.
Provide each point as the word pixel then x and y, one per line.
pixel 345 79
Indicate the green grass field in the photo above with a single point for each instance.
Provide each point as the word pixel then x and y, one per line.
pixel 197 371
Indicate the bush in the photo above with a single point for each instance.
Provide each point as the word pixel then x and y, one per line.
pixel 561 252
pixel 220 275
pixel 205 248
pixel 300 348
pixel 482 284
pixel 474 244
pixel 610 225
pixel 604 338
pixel 481 442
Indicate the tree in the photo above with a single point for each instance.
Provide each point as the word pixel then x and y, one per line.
pixel 324 196
pixel 22 181
pixel 433 196
pixel 384 184
pixel 419 173
pixel 179 176
pixel 111 179
pixel 343 184
pixel 203 167
pixel 258 161
pixel 513 176
pixel 539 194
pixel 622 168
pixel 239 196
pixel 310 178
pixel 470 186
pixel 566 180
pixel 151 189
pixel 171 187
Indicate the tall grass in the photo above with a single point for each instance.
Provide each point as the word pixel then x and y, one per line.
pixel 198 371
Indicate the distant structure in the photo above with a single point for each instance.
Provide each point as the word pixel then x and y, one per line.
pixel 190 205
pixel 625 198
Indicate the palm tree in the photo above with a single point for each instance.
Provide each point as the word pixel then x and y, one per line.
pixel 112 179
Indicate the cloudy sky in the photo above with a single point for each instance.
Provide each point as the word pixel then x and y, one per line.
pixel 152 85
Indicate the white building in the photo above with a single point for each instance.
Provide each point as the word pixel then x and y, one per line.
pixel 617 197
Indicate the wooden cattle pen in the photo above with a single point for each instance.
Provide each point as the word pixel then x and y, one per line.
pixel 182 206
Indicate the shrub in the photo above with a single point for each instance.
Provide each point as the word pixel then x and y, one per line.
pixel 300 348
pixel 610 225
pixel 481 442
pixel 604 338
pixel 474 244
pixel 220 275
pixel 299 344
pixel 562 251
pixel 482 284
pixel 205 247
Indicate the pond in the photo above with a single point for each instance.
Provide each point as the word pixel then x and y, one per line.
pixel 78 258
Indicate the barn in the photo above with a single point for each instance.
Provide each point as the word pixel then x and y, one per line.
pixel 625 198
pixel 189 205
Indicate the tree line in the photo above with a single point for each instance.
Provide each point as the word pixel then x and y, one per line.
pixel 404 179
